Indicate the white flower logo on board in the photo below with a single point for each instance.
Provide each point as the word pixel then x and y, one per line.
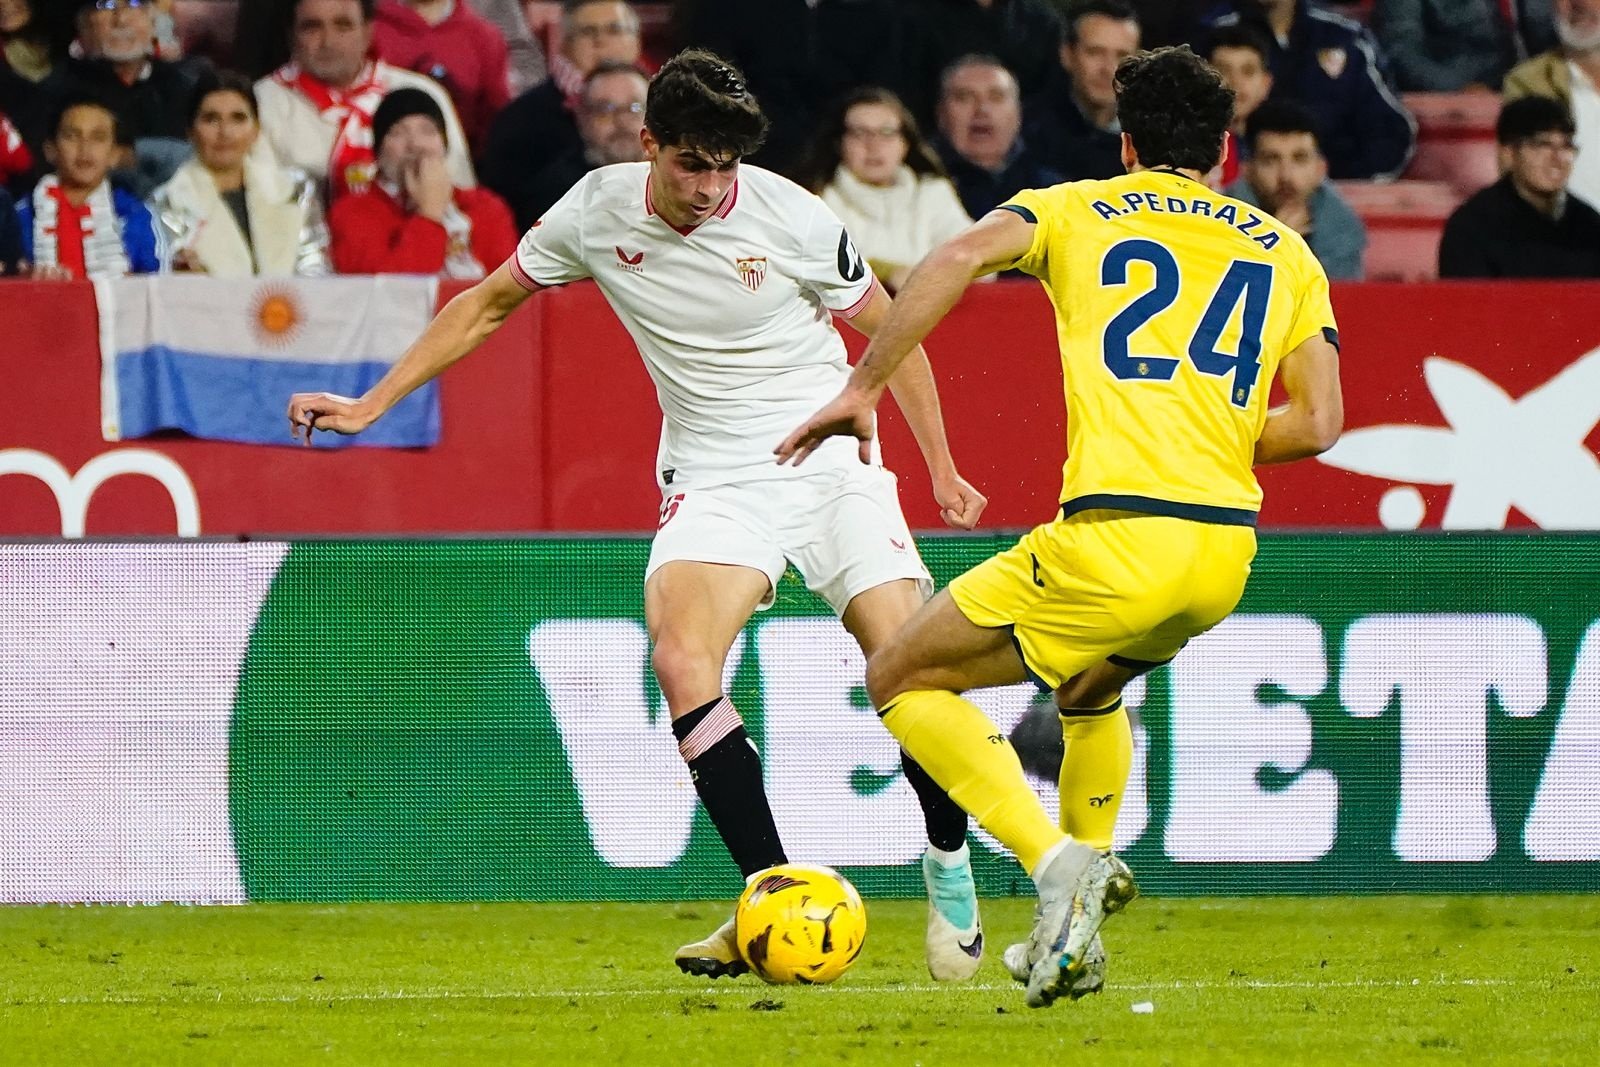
pixel 1497 453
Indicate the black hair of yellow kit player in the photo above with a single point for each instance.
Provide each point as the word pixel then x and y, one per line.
pixel 1175 107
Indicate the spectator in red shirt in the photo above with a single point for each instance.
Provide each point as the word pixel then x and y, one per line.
pixel 453 45
pixel 412 220
pixel 16 161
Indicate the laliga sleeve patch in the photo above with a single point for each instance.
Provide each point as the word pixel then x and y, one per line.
pixel 851 268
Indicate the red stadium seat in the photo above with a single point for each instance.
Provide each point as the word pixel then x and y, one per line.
pixel 1403 248
pixel 1455 139
pixel 1404 220
pixel 1460 113
pixel 1404 198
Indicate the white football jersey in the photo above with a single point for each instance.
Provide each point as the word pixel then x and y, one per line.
pixel 734 318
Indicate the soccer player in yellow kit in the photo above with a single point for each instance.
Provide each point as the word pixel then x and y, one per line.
pixel 1176 307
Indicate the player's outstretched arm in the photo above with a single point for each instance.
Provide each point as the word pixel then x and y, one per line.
pixel 960 504
pixel 992 243
pixel 1311 421
pixel 464 324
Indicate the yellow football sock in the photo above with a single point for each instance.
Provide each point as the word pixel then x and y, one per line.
pixel 968 755
pixel 1094 771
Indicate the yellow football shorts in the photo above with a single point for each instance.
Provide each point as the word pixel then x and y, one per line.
pixel 1108 584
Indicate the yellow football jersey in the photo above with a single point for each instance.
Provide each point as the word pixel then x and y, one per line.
pixel 1174 306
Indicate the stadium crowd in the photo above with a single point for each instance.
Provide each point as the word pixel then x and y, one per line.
pixel 421 136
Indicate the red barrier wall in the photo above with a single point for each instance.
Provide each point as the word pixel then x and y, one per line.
pixel 553 424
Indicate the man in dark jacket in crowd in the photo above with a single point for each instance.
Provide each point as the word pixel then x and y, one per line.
pixel 149 95
pixel 541 125
pixel 1024 35
pixel 980 136
pixel 610 115
pixel 1526 225
pixel 1330 64
pixel 1073 123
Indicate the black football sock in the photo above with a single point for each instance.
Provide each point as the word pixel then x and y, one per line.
pixel 946 821
pixel 726 772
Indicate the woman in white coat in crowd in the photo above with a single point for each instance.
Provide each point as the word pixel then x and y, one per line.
pixel 228 215
pixel 886 184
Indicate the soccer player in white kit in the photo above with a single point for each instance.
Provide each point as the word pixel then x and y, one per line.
pixel 728 277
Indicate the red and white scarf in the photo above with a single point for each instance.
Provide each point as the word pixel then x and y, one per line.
pixel 567 78
pixel 353 161
pixel 103 253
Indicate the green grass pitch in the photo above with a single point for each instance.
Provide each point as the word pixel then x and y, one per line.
pixel 1371 980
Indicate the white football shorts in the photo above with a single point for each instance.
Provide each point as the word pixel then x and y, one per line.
pixel 842 529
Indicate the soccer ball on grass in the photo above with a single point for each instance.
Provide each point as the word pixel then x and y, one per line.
pixel 800 923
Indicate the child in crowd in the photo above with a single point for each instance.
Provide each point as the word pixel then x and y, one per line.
pixel 76 224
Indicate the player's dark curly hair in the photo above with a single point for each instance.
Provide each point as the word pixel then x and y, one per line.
pixel 1175 107
pixel 700 100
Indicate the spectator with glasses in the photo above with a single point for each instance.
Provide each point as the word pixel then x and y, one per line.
pixel 1526 225
pixel 1570 75
pixel 541 125
pixel 871 164
pixel 150 95
pixel 610 116
pixel 453 45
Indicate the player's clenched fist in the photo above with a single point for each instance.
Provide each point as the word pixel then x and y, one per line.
pixel 960 503
pixel 326 411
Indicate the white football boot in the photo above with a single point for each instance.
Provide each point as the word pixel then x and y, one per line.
pixel 1089 980
pixel 954 943
pixel 713 957
pixel 1079 888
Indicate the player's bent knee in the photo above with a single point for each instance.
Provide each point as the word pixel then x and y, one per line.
pixel 885 679
pixel 1079 693
pixel 688 671
pixel 1095 687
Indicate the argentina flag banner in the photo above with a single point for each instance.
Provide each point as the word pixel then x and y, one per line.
pixel 218 359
